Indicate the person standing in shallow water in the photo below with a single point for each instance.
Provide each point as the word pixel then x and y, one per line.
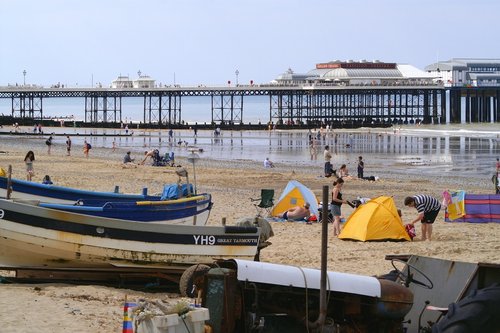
pixel 86 148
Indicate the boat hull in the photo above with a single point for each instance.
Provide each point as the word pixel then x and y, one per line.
pixel 42 237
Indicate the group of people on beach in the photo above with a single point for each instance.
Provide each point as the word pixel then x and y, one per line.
pixel 427 206
pixel 154 156
pixel 343 172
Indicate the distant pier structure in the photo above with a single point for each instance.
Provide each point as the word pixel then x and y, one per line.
pixel 337 93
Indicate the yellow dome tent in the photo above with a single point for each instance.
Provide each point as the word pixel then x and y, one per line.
pixel 376 220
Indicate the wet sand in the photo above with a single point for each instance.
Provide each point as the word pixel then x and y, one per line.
pixel 423 151
pixel 232 183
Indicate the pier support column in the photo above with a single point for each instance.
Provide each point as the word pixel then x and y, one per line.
pixel 162 109
pixel 496 107
pixel 227 109
pixel 103 109
pixel 27 105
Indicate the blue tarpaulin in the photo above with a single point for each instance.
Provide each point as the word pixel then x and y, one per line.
pixel 174 191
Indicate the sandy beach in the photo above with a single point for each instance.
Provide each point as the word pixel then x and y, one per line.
pixel 63 308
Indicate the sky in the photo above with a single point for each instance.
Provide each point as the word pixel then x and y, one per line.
pixel 192 42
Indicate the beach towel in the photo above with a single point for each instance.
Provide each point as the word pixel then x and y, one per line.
pixel 455 204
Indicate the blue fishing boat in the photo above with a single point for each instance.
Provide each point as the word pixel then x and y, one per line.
pixel 192 210
pixel 176 205
pixel 23 189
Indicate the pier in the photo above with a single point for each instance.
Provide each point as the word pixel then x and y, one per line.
pixel 292 105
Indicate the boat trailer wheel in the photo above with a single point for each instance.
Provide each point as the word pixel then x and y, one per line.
pixel 408 277
pixel 188 284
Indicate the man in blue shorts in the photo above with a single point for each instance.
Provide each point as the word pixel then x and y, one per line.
pixel 297 213
pixel 428 209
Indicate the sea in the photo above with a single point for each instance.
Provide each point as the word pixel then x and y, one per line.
pixel 466 150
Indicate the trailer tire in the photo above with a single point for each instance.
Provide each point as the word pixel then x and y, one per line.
pixel 477 312
pixel 187 286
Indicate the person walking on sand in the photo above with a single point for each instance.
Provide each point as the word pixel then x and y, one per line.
pixel 337 202
pixel 428 209
pixel 68 146
pixel 28 160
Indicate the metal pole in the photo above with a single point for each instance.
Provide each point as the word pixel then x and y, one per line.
pixel 9 181
pixel 192 158
pixel 324 251
pixel 194 174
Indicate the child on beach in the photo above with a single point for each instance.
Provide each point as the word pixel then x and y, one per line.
pixel 344 173
pixel 86 148
pixel 127 158
pixel 46 180
pixel 28 160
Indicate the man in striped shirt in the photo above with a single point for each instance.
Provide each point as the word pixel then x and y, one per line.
pixel 428 209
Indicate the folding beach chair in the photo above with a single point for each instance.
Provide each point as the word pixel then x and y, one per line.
pixel 266 201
